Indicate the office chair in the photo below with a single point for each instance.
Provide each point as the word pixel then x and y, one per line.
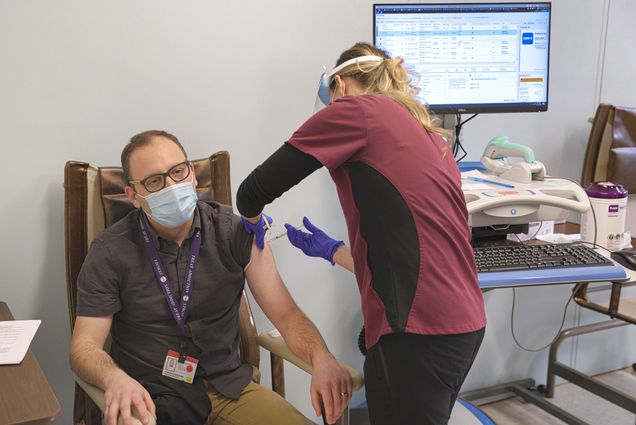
pixel 95 199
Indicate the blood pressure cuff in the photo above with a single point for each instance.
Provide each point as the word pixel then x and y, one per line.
pixel 176 402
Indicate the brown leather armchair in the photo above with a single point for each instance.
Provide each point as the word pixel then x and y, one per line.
pixel 611 148
pixel 95 199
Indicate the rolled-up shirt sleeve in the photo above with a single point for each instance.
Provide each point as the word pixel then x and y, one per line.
pixel 98 283
pixel 240 242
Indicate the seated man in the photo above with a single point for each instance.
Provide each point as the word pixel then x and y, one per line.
pixel 166 283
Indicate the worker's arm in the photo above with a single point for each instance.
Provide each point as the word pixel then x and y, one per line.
pixel 343 258
pixel 284 169
pixel 317 243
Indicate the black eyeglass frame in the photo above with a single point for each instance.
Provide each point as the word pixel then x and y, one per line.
pixel 164 176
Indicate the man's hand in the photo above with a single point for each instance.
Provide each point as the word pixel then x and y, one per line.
pixel 331 384
pixel 123 394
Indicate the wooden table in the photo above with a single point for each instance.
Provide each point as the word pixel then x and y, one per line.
pixel 25 395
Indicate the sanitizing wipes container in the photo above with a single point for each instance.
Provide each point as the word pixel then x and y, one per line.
pixel 609 202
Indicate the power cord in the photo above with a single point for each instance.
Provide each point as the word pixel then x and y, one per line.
pixel 565 309
pixel 512 327
pixel 531 237
pixel 512 313
pixel 594 245
pixel 457 146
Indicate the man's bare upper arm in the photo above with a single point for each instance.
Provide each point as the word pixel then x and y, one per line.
pixel 268 288
pixel 92 330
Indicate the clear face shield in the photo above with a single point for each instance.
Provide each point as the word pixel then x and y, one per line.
pixel 323 97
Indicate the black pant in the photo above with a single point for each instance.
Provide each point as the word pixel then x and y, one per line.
pixel 415 379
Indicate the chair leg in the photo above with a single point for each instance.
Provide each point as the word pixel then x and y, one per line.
pixel 278 374
pixel 85 411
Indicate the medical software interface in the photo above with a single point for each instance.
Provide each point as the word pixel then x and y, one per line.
pixel 471 55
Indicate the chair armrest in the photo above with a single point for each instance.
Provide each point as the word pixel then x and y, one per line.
pixel 97 395
pixel 273 342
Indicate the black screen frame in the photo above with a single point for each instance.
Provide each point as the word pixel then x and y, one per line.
pixel 476 108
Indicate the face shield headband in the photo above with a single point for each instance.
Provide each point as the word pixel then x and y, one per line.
pixel 323 98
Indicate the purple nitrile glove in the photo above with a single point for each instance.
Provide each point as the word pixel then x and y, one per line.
pixel 258 229
pixel 314 244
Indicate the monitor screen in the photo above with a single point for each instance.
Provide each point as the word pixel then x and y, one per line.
pixel 472 57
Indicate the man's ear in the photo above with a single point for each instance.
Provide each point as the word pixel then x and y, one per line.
pixel 132 196
pixel 194 175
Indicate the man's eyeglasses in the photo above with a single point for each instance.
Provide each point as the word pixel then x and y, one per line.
pixel 156 182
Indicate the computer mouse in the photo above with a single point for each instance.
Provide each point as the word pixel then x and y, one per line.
pixel 626 257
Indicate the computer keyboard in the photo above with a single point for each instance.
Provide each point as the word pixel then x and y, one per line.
pixel 529 257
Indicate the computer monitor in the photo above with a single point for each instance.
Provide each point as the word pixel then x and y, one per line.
pixel 471 57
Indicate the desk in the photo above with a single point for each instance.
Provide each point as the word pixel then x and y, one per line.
pixel 25 395
pixel 572 228
pixel 581 290
pixel 527 389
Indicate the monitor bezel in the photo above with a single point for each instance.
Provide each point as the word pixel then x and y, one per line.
pixel 482 107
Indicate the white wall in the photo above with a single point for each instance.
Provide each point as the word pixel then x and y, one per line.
pixel 78 78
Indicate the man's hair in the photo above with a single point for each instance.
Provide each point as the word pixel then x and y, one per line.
pixel 143 139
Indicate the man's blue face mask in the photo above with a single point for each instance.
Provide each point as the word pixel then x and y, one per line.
pixel 174 205
pixel 324 97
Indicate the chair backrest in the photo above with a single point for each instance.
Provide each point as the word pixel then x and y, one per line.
pixel 611 148
pixel 94 199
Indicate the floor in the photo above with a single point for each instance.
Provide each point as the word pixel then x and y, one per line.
pixel 579 402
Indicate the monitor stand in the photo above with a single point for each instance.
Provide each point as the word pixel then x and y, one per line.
pixel 448 121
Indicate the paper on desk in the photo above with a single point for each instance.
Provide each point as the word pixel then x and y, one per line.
pixel 15 338
pixel 468 186
pixel 478 174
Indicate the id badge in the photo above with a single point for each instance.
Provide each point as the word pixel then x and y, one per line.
pixel 181 371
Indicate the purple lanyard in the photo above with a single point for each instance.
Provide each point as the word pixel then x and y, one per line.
pixel 179 310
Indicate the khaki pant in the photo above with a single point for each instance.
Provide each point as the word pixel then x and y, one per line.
pixel 257 405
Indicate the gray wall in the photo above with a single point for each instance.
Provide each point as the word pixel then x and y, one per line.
pixel 78 78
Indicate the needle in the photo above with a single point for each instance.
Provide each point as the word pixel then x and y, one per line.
pixel 284 233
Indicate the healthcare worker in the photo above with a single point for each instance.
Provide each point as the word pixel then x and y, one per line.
pixel 400 192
